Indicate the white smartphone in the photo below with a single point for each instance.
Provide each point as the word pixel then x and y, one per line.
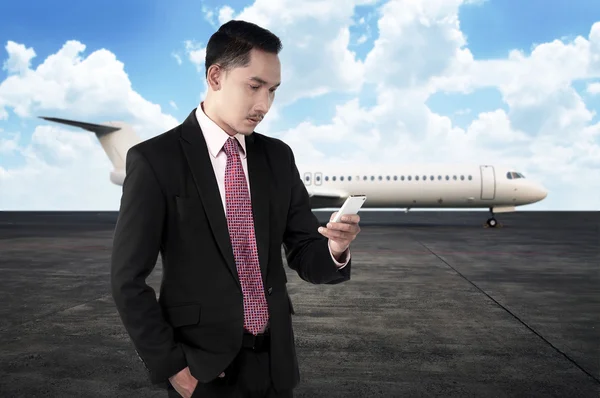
pixel 351 206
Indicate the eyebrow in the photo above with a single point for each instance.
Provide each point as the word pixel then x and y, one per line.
pixel 261 81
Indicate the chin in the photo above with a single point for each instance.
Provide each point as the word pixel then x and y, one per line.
pixel 246 127
pixel 245 130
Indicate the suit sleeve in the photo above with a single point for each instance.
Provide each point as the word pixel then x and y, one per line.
pixel 136 244
pixel 307 251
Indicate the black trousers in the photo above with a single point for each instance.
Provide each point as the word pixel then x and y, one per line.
pixel 248 376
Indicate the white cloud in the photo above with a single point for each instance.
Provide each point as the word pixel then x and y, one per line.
pixel 85 88
pixel 65 168
pixel 225 14
pixel 417 40
pixel 20 58
pixel 209 15
pixel 196 54
pixel 315 57
pixel 525 80
pixel 593 88
pixel 548 131
pixel 9 145
pixel 177 58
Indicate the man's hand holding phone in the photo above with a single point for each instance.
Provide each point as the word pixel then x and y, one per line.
pixel 343 226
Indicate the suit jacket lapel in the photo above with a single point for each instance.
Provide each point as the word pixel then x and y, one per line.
pixel 196 152
pixel 259 172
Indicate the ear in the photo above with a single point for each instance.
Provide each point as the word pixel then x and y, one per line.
pixel 214 77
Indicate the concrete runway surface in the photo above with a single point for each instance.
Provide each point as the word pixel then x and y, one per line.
pixel 437 306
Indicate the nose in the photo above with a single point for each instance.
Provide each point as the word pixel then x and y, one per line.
pixel 539 192
pixel 263 104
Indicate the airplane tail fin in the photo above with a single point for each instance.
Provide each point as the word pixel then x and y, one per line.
pixel 115 137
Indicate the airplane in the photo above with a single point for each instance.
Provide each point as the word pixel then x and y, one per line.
pixel 411 186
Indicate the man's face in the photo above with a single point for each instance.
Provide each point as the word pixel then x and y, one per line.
pixel 246 94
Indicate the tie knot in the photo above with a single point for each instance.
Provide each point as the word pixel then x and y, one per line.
pixel 231 146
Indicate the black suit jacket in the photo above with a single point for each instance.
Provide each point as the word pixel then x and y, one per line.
pixel 171 205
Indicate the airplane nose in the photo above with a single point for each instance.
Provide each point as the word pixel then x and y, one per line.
pixel 540 192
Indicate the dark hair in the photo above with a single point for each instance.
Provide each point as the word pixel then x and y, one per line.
pixel 230 46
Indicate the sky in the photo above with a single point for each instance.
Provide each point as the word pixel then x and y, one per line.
pixel 391 81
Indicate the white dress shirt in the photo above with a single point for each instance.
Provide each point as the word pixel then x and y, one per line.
pixel 215 138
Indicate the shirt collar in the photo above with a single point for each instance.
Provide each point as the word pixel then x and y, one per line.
pixel 214 135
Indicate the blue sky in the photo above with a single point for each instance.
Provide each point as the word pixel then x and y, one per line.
pixel 147 37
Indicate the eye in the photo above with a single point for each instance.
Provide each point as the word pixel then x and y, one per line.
pixel 254 87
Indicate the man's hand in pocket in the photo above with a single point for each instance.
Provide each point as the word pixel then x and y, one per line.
pixel 184 383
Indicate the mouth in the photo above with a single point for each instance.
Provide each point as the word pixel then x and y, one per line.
pixel 254 120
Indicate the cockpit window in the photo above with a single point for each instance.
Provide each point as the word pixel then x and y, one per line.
pixel 514 175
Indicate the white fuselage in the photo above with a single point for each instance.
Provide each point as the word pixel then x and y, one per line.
pixel 407 186
pixel 425 185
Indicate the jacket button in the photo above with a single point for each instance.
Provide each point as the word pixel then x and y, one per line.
pixel 270 290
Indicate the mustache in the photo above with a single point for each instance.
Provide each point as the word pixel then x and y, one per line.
pixel 256 117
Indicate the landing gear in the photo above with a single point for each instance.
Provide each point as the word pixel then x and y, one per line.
pixel 492 222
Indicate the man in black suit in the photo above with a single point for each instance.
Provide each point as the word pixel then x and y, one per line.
pixel 217 200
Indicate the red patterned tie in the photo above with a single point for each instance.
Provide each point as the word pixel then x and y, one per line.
pixel 243 240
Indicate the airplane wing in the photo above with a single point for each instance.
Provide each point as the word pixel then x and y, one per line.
pixel 323 199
